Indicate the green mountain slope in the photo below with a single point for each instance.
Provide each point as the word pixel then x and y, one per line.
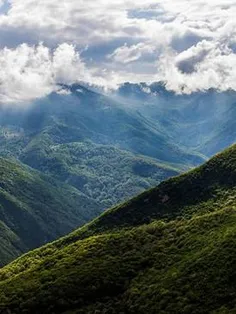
pixel 170 250
pixel 94 143
pixel 102 172
pixel 35 209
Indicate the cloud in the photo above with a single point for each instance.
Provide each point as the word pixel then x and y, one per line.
pixel 201 54
pixel 188 61
pixel 27 73
pixel 208 65
pixel 126 54
pixel 80 22
pixel 191 44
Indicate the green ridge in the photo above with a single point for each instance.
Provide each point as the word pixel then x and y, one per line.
pixel 170 250
pixel 105 149
pixel 36 209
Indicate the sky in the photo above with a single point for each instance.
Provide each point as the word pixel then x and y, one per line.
pixel 188 44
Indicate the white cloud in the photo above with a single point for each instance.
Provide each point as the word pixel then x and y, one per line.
pixel 189 43
pixel 28 72
pixel 63 91
pixel 212 66
pixel 127 54
pixel 78 21
pixel 210 61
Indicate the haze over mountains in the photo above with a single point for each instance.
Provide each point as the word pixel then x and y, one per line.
pixel 103 148
pixel 110 147
pixel 138 118
pixel 84 135
pixel 201 121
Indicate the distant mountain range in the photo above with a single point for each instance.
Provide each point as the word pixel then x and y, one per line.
pixel 201 121
pixel 102 148
pixel 169 250
pixel 106 150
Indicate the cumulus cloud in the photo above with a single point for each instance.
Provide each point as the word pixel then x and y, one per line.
pixel 80 22
pixel 126 54
pixel 190 44
pixel 28 72
pixel 200 68
pixel 208 62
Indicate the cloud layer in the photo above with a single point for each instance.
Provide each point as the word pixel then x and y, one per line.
pixel 28 72
pixel 191 44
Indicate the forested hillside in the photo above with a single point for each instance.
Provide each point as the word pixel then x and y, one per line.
pixel 169 250
pixel 106 150
pixel 36 209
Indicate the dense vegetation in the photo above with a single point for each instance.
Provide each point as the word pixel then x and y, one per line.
pixel 170 250
pixel 104 149
pixel 103 152
pixel 35 209
pixel 102 172
pixel 111 147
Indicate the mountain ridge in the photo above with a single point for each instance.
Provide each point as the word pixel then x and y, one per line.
pixel 36 209
pixel 54 133
pixel 182 262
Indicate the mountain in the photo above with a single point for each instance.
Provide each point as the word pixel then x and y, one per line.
pixel 201 121
pixel 91 141
pixel 102 172
pixel 106 148
pixel 36 209
pixel 170 250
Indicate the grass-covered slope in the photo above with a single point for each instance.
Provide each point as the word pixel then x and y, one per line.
pixel 183 266
pixel 202 190
pixel 35 209
pixel 170 250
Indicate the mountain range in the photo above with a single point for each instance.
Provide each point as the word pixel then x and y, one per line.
pixel 200 121
pixel 91 150
pixel 169 250
pixel 74 137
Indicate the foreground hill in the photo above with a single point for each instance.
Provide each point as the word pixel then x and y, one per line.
pixel 170 250
pixel 36 209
